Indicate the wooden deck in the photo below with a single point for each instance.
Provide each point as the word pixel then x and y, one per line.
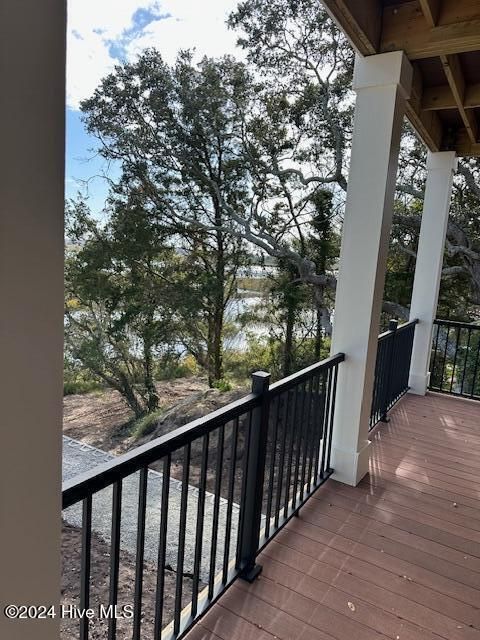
pixel 396 557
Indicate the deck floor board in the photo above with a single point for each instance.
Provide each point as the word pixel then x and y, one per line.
pixel 397 557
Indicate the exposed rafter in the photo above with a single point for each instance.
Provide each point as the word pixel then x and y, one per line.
pixel 405 28
pixel 456 80
pixel 430 10
pixel 444 30
pixel 361 22
pixel 441 97
pixel 427 123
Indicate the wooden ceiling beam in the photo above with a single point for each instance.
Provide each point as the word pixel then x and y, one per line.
pixel 465 147
pixel 431 9
pixel 427 123
pixel 453 71
pixel 441 97
pixel 457 29
pixel 360 21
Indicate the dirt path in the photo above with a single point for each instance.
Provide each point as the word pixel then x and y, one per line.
pixel 101 419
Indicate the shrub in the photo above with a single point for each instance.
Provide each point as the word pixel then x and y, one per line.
pixel 222 385
pixel 146 425
pixel 173 367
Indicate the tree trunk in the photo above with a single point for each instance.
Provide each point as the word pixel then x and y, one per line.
pixel 217 316
pixel 289 338
pixel 318 335
pixel 130 396
pixel 151 390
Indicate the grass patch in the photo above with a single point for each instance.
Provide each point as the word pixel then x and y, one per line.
pixel 146 425
pixel 74 387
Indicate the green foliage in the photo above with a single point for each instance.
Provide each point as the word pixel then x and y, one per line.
pixel 121 290
pixel 80 382
pixel 266 354
pixel 222 385
pixel 146 424
pixel 173 366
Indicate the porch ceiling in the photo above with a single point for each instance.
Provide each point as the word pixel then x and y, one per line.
pixel 442 40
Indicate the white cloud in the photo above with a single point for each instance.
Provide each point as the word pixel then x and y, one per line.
pixel 193 24
pixel 95 25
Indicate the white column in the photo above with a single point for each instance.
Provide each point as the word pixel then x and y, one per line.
pixel 32 108
pixel 382 84
pixel 441 167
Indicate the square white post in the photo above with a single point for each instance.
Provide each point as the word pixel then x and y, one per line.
pixel 441 168
pixel 32 115
pixel 382 84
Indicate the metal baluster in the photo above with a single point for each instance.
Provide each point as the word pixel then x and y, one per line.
pixel 273 457
pixel 142 510
pixel 320 420
pixel 386 396
pixel 199 528
pixel 85 564
pixel 288 478
pixel 162 547
pixel 281 462
pixel 313 450
pixel 231 486
pixel 300 437
pixel 465 361
pixel 332 415
pixel 326 408
pixel 444 358
pixel 475 371
pixel 216 510
pixel 181 537
pixel 455 358
pixel 307 439
pixel 115 555
pixel 435 351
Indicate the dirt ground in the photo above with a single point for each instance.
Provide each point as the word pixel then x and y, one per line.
pixel 100 571
pixel 101 419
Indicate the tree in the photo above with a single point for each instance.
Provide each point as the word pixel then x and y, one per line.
pixel 300 51
pixel 175 132
pixel 120 299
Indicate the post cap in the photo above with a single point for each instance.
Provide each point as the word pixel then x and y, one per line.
pixel 260 381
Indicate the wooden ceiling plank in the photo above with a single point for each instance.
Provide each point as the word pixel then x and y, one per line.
pixel 405 28
pixel 441 97
pixel 431 9
pixel 465 147
pixel 436 98
pixel 472 96
pixel 456 80
pixel 426 123
pixel 360 21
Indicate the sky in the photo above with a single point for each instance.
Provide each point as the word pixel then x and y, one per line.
pixel 103 33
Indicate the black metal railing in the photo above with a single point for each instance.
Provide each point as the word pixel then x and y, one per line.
pixel 455 360
pixel 392 369
pixel 197 505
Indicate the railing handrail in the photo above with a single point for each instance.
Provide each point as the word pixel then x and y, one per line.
pixel 391 369
pixel 400 327
pixel 303 374
pixel 107 473
pixel 456 323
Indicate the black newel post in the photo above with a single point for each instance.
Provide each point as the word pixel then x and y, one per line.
pixel 392 326
pixel 251 507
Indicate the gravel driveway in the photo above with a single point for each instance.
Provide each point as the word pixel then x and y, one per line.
pixel 79 457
